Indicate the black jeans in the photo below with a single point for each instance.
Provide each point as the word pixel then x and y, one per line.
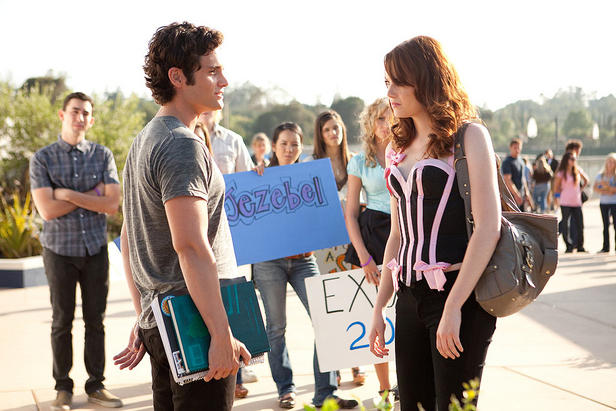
pixel 424 376
pixel 572 227
pixel 92 273
pixel 216 395
pixel 607 211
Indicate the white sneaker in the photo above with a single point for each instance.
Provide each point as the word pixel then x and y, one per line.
pixel 248 375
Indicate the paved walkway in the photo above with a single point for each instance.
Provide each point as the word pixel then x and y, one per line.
pixel 557 354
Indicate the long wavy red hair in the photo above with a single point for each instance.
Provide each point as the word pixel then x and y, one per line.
pixel 420 62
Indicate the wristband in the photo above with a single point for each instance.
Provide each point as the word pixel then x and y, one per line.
pixel 367 262
pixel 556 195
pixel 98 193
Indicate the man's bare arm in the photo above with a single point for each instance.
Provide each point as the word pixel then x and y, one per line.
pixel 131 356
pixel 188 222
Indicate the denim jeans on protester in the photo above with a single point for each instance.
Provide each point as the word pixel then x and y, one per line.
pixel 92 273
pixel 271 278
pixel 540 195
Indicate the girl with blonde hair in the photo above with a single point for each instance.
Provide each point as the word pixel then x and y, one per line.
pixel 369 229
pixel 605 185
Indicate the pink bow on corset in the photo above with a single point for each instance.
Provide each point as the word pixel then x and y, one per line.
pixel 435 276
pixel 395 157
pixel 395 270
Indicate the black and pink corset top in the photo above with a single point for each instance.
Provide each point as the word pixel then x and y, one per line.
pixel 431 220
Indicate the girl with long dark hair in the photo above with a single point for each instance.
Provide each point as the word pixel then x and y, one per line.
pixel 271 278
pixel 568 185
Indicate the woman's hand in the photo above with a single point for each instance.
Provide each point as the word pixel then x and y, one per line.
pixel 372 273
pixel 377 335
pixel 133 353
pixel 448 334
pixel 260 168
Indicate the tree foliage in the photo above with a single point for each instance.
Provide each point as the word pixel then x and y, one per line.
pixel 349 109
pixel 29 121
pixel 294 111
pixel 569 114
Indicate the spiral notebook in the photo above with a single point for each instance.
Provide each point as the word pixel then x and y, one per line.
pixel 187 340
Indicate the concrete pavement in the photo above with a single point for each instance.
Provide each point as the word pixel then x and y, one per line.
pixel 557 354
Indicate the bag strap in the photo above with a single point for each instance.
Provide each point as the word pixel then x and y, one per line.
pixel 464 184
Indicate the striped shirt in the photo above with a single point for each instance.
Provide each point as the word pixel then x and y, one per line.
pixel 80 168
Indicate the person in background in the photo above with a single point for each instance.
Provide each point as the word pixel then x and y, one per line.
pixel 553 163
pixel 74 184
pixel 202 131
pixel 575 146
pixel 442 333
pixel 260 145
pixel 528 172
pixel 569 182
pixel 369 229
pixel 513 174
pixel 330 141
pixel 605 185
pixel 230 152
pixel 542 175
pixel 271 278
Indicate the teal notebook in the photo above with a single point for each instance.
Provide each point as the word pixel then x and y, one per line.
pixel 243 313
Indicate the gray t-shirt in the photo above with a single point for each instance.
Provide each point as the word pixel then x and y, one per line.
pixel 167 160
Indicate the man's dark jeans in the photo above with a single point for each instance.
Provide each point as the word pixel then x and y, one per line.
pixel 92 273
pixel 215 395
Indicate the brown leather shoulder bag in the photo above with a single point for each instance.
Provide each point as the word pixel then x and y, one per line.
pixel 526 255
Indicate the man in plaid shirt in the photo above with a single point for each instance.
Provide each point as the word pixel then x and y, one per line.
pixel 74 185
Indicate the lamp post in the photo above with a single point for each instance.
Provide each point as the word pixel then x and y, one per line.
pixel 555 134
pixel 531 128
pixel 595 131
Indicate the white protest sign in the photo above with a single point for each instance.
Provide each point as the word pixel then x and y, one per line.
pixel 331 259
pixel 341 307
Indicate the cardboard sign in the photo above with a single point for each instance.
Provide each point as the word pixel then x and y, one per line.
pixel 331 260
pixel 341 307
pixel 289 210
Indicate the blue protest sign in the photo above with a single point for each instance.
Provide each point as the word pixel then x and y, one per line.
pixel 289 210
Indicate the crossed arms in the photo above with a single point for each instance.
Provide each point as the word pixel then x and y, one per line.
pixel 53 203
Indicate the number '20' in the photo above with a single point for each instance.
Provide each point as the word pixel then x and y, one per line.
pixel 361 325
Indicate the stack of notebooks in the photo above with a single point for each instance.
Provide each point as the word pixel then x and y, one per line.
pixel 187 340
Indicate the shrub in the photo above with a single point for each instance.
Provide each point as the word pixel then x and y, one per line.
pixel 18 228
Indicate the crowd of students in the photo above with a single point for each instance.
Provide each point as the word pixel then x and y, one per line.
pixel 549 185
pixel 176 237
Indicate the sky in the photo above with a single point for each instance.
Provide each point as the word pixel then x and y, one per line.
pixel 315 50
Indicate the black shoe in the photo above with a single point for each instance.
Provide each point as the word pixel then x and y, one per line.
pixel 396 393
pixel 603 250
pixel 581 250
pixel 346 404
pixel 568 250
pixel 287 400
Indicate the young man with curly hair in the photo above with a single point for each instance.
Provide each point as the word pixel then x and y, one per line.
pixel 175 235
